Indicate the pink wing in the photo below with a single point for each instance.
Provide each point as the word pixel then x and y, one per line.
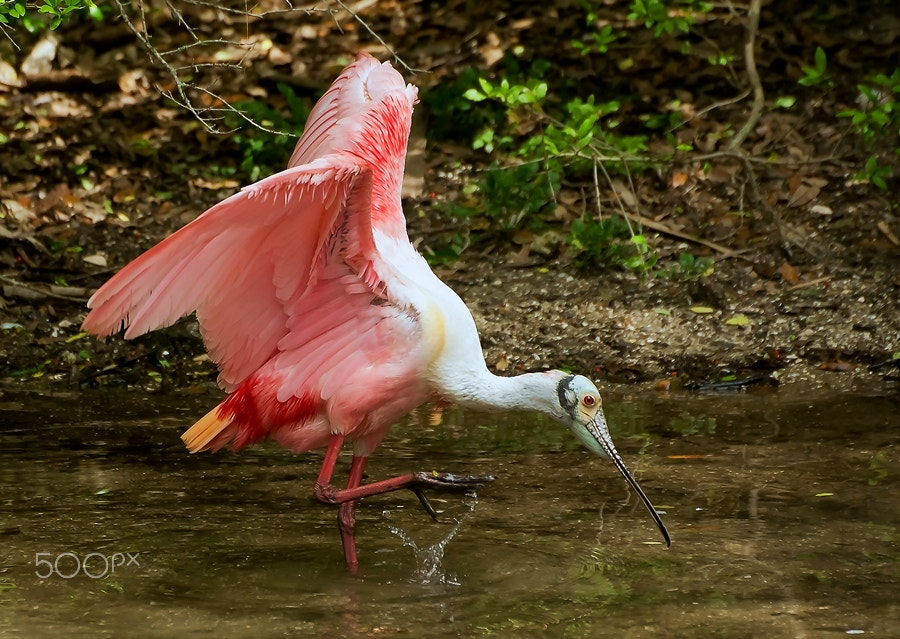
pixel 334 122
pixel 243 262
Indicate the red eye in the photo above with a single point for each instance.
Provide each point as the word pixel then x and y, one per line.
pixel 588 400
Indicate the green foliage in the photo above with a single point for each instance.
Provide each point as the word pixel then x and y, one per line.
pixel 612 242
pixel 877 119
pixel 264 151
pixel 595 41
pixel 874 173
pixel 37 16
pixel 543 142
pixel 655 15
pixel 513 195
pixel 645 256
pixel 538 140
pixel 512 95
pixel 817 75
pixel 449 251
pixel 689 268
pixel 563 138
pixel 455 117
pixel 540 130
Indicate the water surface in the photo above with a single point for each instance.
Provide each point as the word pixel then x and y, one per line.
pixel 783 507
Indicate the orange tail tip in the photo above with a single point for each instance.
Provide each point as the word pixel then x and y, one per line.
pixel 198 437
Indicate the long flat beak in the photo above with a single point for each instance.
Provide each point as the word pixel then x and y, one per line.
pixel 601 435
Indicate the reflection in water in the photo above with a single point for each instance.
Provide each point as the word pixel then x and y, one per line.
pixel 784 510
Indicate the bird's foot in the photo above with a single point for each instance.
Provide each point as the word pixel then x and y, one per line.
pixel 444 482
pixel 416 482
pixel 326 493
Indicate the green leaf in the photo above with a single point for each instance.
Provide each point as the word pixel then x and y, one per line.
pixel 821 60
pixel 738 320
pixel 785 102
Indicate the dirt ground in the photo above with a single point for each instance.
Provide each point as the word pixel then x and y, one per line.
pixel 98 167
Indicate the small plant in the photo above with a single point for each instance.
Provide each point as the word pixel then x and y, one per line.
pixel 655 14
pixel 512 95
pixel 513 195
pixel 689 268
pixel 49 14
pixel 878 118
pixel 874 173
pixel 595 41
pixel 448 251
pixel 645 257
pixel 561 141
pixel 879 106
pixel 612 242
pixel 817 75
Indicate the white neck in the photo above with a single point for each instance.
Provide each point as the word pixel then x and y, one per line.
pixel 456 367
pixel 481 390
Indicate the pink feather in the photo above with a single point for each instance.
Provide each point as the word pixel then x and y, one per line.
pixel 284 276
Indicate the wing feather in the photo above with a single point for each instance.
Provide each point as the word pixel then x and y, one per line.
pixel 334 123
pixel 237 265
pixel 250 265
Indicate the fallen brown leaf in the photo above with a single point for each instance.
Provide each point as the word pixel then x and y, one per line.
pixel 790 274
pixel 838 366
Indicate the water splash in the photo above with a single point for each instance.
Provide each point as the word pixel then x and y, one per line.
pixel 430 568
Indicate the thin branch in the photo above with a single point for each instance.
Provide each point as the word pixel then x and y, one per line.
pixel 668 230
pixel 262 14
pixel 40 291
pixel 202 43
pixel 759 96
pixel 711 107
pixel 184 93
pixel 377 37
pixel 597 193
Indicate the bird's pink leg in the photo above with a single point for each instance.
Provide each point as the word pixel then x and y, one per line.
pixel 325 491
pixel 323 483
pixel 347 516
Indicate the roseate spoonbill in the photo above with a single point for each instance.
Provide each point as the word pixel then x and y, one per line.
pixel 325 322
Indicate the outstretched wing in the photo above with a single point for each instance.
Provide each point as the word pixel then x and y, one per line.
pixel 242 262
pixel 334 123
pixel 238 265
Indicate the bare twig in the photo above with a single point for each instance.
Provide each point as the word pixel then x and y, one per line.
pixel 759 96
pixel 815 282
pixel 884 228
pixel 186 92
pixel 36 290
pixel 711 107
pixel 668 230
pixel 377 37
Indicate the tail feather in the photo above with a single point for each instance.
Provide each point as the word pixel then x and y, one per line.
pixel 208 433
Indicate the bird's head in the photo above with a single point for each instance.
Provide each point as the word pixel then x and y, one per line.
pixel 581 409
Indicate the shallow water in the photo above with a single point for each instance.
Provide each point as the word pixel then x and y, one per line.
pixel 783 506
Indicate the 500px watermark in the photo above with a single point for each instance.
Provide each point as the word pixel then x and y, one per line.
pixel 95 565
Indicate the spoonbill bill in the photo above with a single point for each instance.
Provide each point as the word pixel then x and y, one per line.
pixel 325 322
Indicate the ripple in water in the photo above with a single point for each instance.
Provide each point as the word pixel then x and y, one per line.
pixel 430 568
